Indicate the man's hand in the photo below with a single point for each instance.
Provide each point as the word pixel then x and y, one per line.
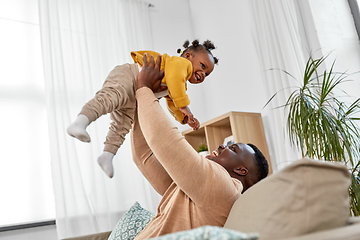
pixel 150 76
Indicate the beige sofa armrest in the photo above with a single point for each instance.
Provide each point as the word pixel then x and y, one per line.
pixel 348 232
pixel 305 197
pixel 96 236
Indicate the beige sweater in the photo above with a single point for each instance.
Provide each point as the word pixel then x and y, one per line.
pixel 195 190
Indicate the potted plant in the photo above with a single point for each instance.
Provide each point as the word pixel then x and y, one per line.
pixel 203 149
pixel 324 127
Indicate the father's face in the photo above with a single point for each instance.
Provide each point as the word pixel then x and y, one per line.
pixel 234 157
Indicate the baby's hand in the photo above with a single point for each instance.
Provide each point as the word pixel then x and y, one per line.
pixel 187 113
pixel 189 118
pixel 194 124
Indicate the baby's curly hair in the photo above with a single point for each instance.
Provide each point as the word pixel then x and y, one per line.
pixel 196 46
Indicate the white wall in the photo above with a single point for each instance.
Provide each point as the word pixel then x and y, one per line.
pixel 235 84
pixel 171 24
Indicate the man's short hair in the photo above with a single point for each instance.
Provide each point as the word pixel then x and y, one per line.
pixel 261 162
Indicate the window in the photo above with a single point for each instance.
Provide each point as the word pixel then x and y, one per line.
pixel 25 168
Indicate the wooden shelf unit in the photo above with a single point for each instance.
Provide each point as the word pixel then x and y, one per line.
pixel 245 127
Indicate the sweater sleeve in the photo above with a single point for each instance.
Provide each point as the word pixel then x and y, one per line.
pixel 204 181
pixel 177 114
pixel 177 71
pixel 138 56
pixel 146 161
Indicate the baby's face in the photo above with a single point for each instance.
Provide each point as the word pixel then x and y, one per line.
pixel 203 65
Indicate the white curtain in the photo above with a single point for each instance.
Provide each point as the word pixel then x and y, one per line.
pixel 82 41
pixel 282 43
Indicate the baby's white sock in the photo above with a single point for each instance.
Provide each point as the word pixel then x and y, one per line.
pixel 105 161
pixel 77 129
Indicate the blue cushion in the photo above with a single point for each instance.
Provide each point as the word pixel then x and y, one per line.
pixel 131 223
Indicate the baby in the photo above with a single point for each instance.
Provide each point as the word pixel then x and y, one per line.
pixel 117 95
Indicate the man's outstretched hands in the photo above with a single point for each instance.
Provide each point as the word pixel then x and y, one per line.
pixel 150 76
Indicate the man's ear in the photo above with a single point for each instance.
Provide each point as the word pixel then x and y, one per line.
pixel 242 171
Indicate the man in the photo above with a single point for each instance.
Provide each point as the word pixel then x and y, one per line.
pixel 196 191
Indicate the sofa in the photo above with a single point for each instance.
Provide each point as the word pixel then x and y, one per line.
pixel 307 200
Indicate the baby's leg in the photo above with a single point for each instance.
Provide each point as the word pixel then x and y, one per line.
pixel 120 126
pixel 107 99
pixel 122 118
pixel 105 162
pixel 78 128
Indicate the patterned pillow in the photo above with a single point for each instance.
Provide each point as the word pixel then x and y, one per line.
pixel 209 233
pixel 131 223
